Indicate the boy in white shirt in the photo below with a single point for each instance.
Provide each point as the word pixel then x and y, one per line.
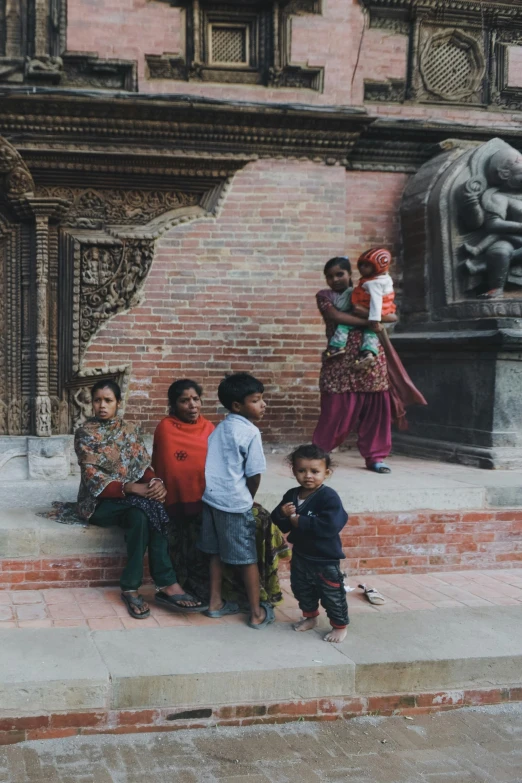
pixel 235 461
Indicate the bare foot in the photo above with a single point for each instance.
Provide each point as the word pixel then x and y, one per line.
pixel 306 624
pixel 336 635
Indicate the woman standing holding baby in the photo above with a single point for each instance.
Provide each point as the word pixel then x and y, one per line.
pixel 362 387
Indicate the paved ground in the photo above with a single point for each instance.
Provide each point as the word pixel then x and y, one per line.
pixel 480 745
pixel 101 608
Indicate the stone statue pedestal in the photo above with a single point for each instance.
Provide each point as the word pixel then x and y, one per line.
pixel 462 349
pixel 472 380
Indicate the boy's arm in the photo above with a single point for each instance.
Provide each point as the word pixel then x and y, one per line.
pixel 374 288
pixel 327 523
pixel 253 483
pixel 255 464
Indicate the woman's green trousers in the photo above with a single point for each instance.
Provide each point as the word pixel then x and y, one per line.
pixel 138 537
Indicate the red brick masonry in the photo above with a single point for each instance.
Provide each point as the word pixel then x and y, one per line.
pixel 404 542
pixel 67 724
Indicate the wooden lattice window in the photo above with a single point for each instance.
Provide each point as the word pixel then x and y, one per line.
pixel 452 65
pixel 229 44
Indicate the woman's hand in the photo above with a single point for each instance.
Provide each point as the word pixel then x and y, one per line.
pixel 375 326
pixel 288 509
pixel 156 491
pixel 133 488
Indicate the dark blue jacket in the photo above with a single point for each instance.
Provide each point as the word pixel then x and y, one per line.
pixel 321 519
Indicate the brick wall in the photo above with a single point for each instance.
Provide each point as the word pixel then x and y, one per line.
pixel 238 292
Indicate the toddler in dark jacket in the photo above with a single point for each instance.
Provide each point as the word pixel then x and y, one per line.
pixel 314 516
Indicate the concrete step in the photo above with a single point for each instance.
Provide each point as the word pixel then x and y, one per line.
pixel 112 680
pixel 413 484
pixel 423 516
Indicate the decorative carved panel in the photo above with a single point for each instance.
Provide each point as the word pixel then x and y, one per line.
pixel 458 50
pixel 241 42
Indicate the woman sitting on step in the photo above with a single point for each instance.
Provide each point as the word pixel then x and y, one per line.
pixel 118 487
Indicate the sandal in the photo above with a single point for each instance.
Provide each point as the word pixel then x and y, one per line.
pixel 134 602
pixel 373 595
pixel 364 362
pixel 269 618
pixel 330 353
pixel 379 467
pixel 174 602
pixel 229 607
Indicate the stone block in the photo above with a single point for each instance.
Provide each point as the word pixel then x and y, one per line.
pixel 49 458
pixel 273 666
pixel 51 670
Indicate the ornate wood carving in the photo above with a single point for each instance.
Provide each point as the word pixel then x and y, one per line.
pixel 70 259
pixel 184 138
pixel 458 50
pixel 240 42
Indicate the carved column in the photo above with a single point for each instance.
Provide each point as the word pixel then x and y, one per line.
pixel 42 399
pixel 43 210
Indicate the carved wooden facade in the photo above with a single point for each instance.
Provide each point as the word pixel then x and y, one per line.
pixel 240 42
pixel 33 50
pixel 458 51
pixel 70 258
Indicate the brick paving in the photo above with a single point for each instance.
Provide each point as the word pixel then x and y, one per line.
pixel 102 609
pixel 468 746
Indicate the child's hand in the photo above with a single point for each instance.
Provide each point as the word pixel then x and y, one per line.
pixel 288 509
pixel 294 520
pixel 375 326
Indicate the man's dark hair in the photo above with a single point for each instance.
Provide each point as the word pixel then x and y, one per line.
pixel 177 388
pixel 112 385
pixel 234 388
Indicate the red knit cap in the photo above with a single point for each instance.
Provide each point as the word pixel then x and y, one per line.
pixel 378 257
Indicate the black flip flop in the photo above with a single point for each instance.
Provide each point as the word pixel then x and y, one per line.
pixel 173 602
pixel 135 601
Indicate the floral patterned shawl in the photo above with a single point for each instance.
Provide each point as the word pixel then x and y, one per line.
pixel 107 451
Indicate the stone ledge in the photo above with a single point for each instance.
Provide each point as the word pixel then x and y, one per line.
pixel 39 553
pixel 67 681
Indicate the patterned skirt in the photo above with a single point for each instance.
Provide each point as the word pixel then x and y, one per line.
pixel 192 565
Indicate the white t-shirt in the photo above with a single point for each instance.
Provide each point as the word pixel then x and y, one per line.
pixel 377 287
pixel 235 452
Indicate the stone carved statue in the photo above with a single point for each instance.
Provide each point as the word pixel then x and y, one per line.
pixel 491 207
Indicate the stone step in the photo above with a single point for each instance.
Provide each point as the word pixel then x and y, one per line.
pixel 57 682
pixel 38 552
pixel 413 484
pixel 423 516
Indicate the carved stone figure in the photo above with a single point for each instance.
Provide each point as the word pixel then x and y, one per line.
pixel 460 334
pixel 492 205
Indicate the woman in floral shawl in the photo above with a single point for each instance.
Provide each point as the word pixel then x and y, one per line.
pixel 365 401
pixel 179 453
pixel 118 487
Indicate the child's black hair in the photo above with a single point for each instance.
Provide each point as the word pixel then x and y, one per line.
pixel 177 388
pixel 234 388
pixel 112 385
pixel 309 451
pixel 342 261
